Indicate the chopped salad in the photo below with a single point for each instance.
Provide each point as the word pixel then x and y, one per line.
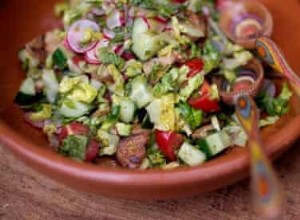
pixel 133 81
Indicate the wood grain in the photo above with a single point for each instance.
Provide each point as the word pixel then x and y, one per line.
pixel 27 195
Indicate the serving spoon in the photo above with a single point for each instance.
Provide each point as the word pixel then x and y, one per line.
pixel 267 195
pixel 250 24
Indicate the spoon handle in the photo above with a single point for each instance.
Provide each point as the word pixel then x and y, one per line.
pixel 271 54
pixel 267 196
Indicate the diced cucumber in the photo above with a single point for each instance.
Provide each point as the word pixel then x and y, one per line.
pixel 191 155
pixel 27 100
pixel 51 85
pixel 141 92
pixel 215 143
pixel 27 94
pixel 28 87
pixel 123 129
pixel 109 142
pixel 127 110
pixel 145 44
pixel 73 109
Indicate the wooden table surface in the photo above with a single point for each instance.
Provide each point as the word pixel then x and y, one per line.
pixel 27 195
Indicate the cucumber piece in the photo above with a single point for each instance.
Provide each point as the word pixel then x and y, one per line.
pixel 123 129
pixel 145 44
pixel 127 110
pixel 51 85
pixel 27 94
pixel 28 87
pixel 215 143
pixel 25 100
pixel 191 155
pixel 141 92
pixel 73 109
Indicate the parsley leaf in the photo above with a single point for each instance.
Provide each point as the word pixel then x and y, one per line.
pixel 192 116
pixel 275 106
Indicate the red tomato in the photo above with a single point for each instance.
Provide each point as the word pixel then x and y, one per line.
pixel 76 59
pixel 168 142
pixel 92 150
pixel 195 65
pixel 204 102
pixel 74 128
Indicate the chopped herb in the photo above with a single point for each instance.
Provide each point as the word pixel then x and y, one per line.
pixel 59 59
pixel 74 146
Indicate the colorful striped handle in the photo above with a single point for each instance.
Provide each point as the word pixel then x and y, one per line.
pixel 271 54
pixel 266 190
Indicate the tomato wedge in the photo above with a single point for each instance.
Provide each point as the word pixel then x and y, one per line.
pixel 74 128
pixel 195 65
pixel 168 142
pixel 92 150
pixel 204 101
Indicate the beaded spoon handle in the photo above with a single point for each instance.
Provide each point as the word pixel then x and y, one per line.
pixel 271 54
pixel 266 190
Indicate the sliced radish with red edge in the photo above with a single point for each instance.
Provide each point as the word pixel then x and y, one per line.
pixel 115 19
pixel 76 34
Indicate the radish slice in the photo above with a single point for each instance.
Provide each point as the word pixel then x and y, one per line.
pixel 145 19
pixel 127 55
pixel 115 19
pixel 67 45
pixel 91 55
pixel 131 12
pixel 76 34
pixel 91 58
pixel 108 33
pixel 98 11
pixel 118 49
pixel 156 24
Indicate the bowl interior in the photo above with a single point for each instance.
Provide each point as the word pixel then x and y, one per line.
pixel 31 145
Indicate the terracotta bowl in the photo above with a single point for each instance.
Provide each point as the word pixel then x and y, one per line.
pixel 22 22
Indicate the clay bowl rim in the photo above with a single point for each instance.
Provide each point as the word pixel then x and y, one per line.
pixel 210 170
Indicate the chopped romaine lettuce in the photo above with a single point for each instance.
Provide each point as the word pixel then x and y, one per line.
pixel 193 84
pixel 83 92
pixel 44 114
pixel 192 116
pixel 168 83
pixel 212 56
pixel 268 121
pixel 275 106
pixel 240 58
pixel 109 142
pixel 162 112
